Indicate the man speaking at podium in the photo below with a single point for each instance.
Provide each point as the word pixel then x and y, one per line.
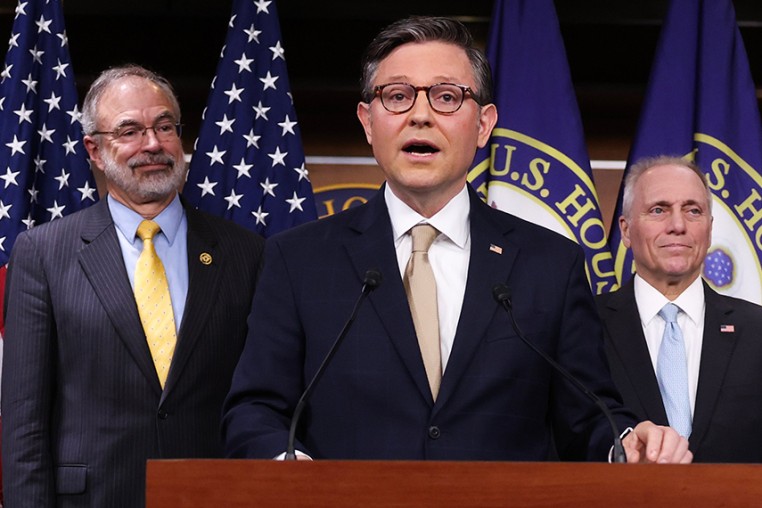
pixel 431 368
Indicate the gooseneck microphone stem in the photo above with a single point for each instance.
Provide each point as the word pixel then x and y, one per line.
pixel 371 281
pixel 502 295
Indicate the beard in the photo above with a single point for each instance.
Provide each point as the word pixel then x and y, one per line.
pixel 145 188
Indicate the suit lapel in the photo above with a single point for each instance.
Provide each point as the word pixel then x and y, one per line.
pixel 626 335
pixel 204 264
pixel 373 247
pixel 101 260
pixel 491 260
pixel 716 351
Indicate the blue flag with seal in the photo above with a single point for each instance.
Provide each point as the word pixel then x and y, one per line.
pixel 248 163
pixel 701 104
pixel 535 165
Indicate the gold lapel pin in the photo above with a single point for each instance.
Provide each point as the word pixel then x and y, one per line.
pixel 205 258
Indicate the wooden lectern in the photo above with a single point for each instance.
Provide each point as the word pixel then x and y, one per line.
pixel 337 484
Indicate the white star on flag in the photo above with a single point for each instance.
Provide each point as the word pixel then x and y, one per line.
pixel 244 63
pixel 278 157
pixel 288 126
pixel 243 168
pixel 269 81
pixel 207 187
pixel 295 202
pixel 216 155
pixel 233 199
pixel 56 211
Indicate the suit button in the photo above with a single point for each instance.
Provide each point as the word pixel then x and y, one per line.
pixel 163 414
pixel 434 432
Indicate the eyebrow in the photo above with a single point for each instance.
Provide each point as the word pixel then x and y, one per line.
pixel 440 78
pixel 129 122
pixel 690 202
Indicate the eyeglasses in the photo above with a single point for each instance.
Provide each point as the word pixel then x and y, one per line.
pixel 443 97
pixel 133 133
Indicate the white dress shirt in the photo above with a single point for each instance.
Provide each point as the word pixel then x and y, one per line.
pixel 690 319
pixel 449 256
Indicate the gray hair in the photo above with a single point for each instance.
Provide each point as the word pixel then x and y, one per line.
pixel 425 29
pixel 107 77
pixel 644 164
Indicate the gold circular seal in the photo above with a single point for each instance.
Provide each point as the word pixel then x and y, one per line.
pixel 205 258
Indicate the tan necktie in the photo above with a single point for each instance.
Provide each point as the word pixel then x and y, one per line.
pixel 421 289
pixel 154 302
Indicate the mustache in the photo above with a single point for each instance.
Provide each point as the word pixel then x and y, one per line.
pixel 151 158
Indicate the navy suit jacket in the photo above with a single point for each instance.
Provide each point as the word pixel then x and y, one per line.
pixel 81 402
pixel 498 400
pixel 728 412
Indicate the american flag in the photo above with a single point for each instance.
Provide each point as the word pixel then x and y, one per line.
pixel 248 163
pixel 44 170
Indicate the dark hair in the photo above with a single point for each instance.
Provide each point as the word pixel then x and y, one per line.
pixel 107 77
pixel 425 29
pixel 646 163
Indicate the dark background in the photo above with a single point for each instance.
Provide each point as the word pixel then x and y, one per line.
pixel 610 46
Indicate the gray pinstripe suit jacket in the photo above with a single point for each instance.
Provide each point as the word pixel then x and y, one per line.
pixel 81 402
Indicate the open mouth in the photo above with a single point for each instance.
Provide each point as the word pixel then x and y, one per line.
pixel 420 148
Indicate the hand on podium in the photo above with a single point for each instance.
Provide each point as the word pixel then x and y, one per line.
pixel 651 443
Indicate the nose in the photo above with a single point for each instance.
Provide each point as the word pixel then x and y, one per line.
pixel 677 222
pixel 149 140
pixel 421 112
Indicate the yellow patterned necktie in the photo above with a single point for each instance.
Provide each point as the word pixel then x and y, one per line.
pixel 154 302
pixel 421 289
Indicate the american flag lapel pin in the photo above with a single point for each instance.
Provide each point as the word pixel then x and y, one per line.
pixel 495 248
pixel 727 328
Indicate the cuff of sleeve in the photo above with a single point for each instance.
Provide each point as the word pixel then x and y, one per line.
pixel 623 435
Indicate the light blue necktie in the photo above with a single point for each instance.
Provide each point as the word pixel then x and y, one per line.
pixel 672 373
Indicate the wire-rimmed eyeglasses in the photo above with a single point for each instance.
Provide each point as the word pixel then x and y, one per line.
pixel 165 130
pixel 443 97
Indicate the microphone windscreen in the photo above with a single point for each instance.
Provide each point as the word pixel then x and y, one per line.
pixel 372 278
pixel 501 293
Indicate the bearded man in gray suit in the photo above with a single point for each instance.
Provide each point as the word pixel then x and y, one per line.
pixel 86 398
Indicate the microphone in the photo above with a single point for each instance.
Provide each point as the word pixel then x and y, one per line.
pixel 502 295
pixel 370 282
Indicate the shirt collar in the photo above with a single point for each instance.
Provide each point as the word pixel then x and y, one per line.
pixel 650 300
pixel 451 221
pixel 127 220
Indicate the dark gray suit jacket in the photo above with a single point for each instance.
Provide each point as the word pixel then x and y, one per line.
pixel 728 413
pixel 81 402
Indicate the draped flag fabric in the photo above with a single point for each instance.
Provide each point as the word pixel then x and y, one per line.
pixel 701 104
pixel 536 165
pixel 44 171
pixel 248 164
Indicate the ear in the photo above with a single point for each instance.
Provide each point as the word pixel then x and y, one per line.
pixel 363 113
pixel 93 150
pixel 487 121
pixel 624 228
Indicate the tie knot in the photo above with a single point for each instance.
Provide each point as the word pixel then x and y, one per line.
pixel 423 236
pixel 147 230
pixel 669 312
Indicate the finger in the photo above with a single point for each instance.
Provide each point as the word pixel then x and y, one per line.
pixel 654 443
pixel 633 448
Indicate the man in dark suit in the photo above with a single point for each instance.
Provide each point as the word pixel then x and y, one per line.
pixel 485 395
pixel 85 398
pixel 667 222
